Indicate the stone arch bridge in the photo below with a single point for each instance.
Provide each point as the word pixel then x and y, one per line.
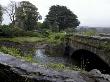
pixel 100 46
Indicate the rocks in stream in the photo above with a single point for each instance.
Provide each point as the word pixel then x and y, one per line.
pixel 96 76
pixel 18 70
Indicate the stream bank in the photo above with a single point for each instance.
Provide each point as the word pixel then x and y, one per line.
pixel 18 70
pixel 36 72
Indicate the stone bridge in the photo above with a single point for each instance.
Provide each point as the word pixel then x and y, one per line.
pixel 85 45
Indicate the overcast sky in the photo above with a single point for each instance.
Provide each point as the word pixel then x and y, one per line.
pixel 89 12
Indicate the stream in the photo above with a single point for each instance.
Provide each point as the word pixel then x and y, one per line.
pixel 43 58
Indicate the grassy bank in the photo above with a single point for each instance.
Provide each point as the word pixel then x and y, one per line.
pixel 23 39
pixel 58 66
pixel 15 52
pixel 50 38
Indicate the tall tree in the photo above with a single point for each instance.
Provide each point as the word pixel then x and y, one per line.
pixel 10 11
pixel 1 13
pixel 60 17
pixel 27 15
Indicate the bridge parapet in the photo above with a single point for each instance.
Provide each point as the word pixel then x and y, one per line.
pixel 95 41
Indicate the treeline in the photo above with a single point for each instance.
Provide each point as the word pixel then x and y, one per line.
pixel 24 18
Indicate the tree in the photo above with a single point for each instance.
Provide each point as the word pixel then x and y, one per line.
pixel 60 17
pixel 1 13
pixel 10 11
pixel 27 16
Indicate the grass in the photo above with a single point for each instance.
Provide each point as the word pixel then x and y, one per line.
pixel 16 53
pixel 29 57
pixel 55 38
pixel 51 38
pixel 23 39
pixel 62 67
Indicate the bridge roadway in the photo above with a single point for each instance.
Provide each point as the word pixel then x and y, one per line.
pixel 95 44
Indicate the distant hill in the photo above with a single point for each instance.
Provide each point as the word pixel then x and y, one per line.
pixel 99 29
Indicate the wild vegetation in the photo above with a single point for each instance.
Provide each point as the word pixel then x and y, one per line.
pixel 49 38
pixel 61 67
pixel 25 28
pixel 15 52
pixel 60 18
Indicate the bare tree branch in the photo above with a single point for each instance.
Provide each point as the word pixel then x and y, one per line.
pixel 10 11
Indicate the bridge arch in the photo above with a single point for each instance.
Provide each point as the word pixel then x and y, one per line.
pixel 89 60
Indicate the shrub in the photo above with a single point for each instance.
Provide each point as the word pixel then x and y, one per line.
pixel 62 67
pixel 11 51
pixel 12 31
pixel 5 31
pixel 31 34
pixel 17 31
pixel 15 52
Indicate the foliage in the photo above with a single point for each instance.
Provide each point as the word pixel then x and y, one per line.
pixel 28 39
pixel 9 31
pixel 62 67
pixel 27 16
pixel 56 37
pixel 70 30
pixel 11 51
pixel 105 46
pixel 60 18
pixel 39 25
pixel 13 31
pixel 23 39
pixel 5 30
pixel 15 52
pixel 31 34
pixel 17 31
pixel 49 38
pixel 1 13
pixel 56 66
pixel 44 25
